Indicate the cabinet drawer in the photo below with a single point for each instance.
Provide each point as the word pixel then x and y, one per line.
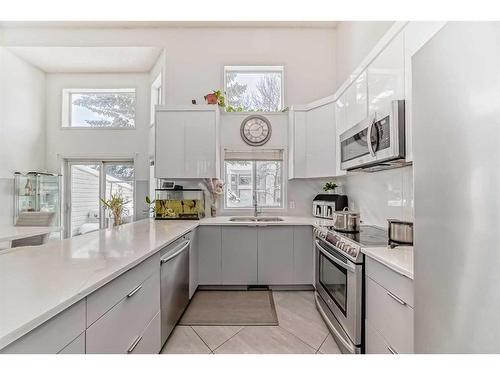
pixel 53 335
pixel 109 295
pixel 394 282
pixel 116 330
pixel 77 346
pixel 150 339
pixel 374 342
pixel 389 315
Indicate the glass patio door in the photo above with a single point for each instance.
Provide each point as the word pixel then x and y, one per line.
pixel 89 180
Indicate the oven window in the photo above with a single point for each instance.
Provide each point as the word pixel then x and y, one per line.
pixel 334 279
pixel 355 146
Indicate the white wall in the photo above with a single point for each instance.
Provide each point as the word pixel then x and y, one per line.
pixel 98 143
pixel 22 125
pixel 196 56
pixel 354 39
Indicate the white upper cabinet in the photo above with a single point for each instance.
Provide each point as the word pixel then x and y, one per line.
pixel 386 76
pixel 186 144
pixel 313 142
pixel 340 126
pixel 356 101
pixel 416 34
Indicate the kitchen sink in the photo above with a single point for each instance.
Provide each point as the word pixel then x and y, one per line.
pixel 253 219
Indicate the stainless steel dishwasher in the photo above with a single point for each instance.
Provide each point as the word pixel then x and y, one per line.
pixel 174 288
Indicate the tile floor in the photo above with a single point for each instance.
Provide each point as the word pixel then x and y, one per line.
pixel 301 330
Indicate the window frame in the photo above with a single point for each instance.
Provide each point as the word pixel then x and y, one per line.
pixel 66 107
pixel 257 69
pixel 282 205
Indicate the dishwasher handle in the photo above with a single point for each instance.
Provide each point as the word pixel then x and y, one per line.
pixel 177 252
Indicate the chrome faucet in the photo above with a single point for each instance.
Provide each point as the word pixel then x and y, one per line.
pixel 256 210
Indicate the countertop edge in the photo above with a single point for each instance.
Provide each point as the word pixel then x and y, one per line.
pixel 375 255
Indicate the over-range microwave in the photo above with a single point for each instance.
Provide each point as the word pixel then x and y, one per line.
pixel 375 143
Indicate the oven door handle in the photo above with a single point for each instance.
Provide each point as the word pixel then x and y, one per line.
pixel 348 267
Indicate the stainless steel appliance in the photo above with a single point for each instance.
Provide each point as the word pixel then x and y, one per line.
pixel 324 205
pixel 174 288
pixel 400 232
pixel 376 143
pixel 339 282
pixel 345 220
pixel 456 138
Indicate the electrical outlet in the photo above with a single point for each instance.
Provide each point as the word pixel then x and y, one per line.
pixel 292 204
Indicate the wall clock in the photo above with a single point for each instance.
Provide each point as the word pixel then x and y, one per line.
pixel 255 130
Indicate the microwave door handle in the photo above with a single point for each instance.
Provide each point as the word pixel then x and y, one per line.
pixel 369 137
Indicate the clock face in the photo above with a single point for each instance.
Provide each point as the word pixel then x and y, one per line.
pixel 255 130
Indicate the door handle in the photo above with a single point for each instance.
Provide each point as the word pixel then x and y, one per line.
pixel 369 137
pixel 183 247
pixel 391 349
pixel 333 259
pixel 134 344
pixel 396 298
pixel 134 291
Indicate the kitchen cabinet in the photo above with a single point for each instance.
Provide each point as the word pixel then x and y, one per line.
pixel 388 293
pixel 340 127
pixel 52 336
pixel 275 255
pixel 77 346
pixel 122 327
pixel 186 144
pixel 303 258
pixel 416 34
pixel 239 255
pixel 313 147
pixel 193 263
pixel 385 76
pixel 356 101
pixel 209 255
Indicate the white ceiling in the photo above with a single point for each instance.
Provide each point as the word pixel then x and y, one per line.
pixel 161 24
pixel 90 59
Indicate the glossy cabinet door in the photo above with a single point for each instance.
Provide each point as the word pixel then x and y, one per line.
pixel 416 35
pixel 186 143
pixel 340 127
pixel 299 144
pixel 275 255
pixel 386 76
pixel 209 255
pixel 239 255
pixel 356 101
pixel 77 346
pixel 320 141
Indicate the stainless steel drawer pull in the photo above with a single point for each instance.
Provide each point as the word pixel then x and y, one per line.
pixel 134 344
pixel 134 291
pixel 391 349
pixel 396 298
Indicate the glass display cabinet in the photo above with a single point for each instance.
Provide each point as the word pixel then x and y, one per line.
pixel 187 204
pixel 35 192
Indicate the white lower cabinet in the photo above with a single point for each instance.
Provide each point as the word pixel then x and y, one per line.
pixel 239 255
pixel 389 315
pixel 303 258
pixel 77 346
pixel 209 255
pixel 275 255
pixel 149 342
pixel 119 330
pixel 52 336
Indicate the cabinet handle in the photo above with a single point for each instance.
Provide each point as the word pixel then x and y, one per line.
pixel 396 298
pixel 134 344
pixel 391 349
pixel 134 291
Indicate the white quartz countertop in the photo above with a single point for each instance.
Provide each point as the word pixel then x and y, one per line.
pixel 9 233
pixel 399 259
pixel 38 282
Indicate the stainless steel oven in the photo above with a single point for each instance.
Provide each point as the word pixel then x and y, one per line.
pixel 377 142
pixel 339 294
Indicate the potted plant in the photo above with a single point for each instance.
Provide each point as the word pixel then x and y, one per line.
pixel 216 97
pixel 116 204
pixel 330 187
